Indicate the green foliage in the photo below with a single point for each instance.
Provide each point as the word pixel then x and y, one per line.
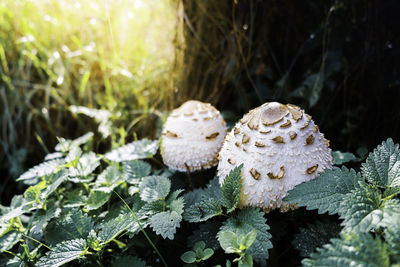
pixel 365 202
pixel 198 253
pixel 326 192
pixel 141 149
pixel 64 252
pixel 351 250
pixel 231 189
pixel 129 261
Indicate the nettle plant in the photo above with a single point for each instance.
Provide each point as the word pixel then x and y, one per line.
pixel 126 208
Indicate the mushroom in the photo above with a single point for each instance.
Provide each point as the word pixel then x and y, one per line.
pixel 192 137
pixel 280 147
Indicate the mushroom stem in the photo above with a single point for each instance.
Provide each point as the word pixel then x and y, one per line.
pixel 189 176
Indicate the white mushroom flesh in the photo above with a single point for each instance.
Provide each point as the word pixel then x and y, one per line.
pixel 282 147
pixel 192 137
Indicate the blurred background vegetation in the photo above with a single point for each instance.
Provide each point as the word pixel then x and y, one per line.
pixel 130 61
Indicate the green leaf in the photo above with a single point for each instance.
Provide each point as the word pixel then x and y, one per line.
pixel 202 211
pixel 72 225
pixel 207 232
pixel 314 236
pixel 108 180
pixel 325 192
pixel 165 223
pixel 188 257
pixel 177 205
pixel 382 167
pixel 63 252
pixel 97 199
pixel 141 149
pixel 199 246
pixel 86 164
pixel 113 227
pixel 66 145
pixel 392 237
pixel 41 217
pixel 246 261
pixel 134 170
pixel 46 168
pixel 154 188
pixel 246 240
pixel 228 241
pixel 9 239
pixel 126 261
pixel 351 250
pixel 207 253
pixel 362 209
pixel 231 189
pixel 343 157
pixel 246 220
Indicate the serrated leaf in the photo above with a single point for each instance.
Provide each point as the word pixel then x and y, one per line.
pixel 153 188
pixel 71 225
pixel 203 210
pixel 392 237
pixel 43 169
pixel 351 250
pixel 231 189
pixel 165 223
pixel 97 199
pixel 134 170
pixel 207 232
pixel 66 145
pixel 314 236
pixel 109 179
pixel 41 217
pixel 212 190
pixel 382 167
pixel 9 239
pixel 141 149
pixel 326 191
pixel 63 252
pixel 113 227
pixel 343 157
pixel 177 205
pixel 362 209
pixel 246 220
pixel 126 261
pixel 86 164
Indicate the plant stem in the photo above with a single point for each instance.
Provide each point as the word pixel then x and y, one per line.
pixel 144 232
pixel 37 241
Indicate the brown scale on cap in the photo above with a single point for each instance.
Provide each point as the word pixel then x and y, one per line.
pixel 273 114
pixel 231 161
pixel 316 128
pixel 296 112
pixel 170 134
pixel 279 175
pixel 278 139
pixel 312 169
pixel 258 144
pixel 265 132
pixel 292 135
pixel 253 123
pixel 212 136
pixel 305 125
pixel 245 139
pixel 237 144
pixel 255 174
pixel 310 140
pixel 286 124
pixel 236 131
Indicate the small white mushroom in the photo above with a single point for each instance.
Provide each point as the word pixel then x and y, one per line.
pixel 283 148
pixel 192 137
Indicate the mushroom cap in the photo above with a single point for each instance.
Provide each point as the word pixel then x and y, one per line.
pixel 280 147
pixel 192 137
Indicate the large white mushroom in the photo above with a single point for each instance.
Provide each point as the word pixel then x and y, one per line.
pixel 280 147
pixel 192 137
